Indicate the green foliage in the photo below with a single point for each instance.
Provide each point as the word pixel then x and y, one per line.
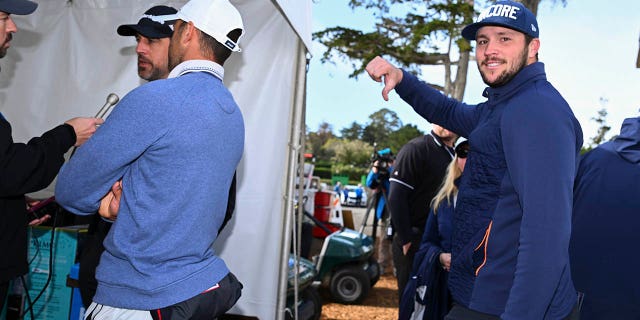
pixel 354 132
pixel 603 129
pixel 421 37
pixel 350 154
pixel 316 140
pixel 381 124
pixel 353 172
pixel 323 172
pixel 400 137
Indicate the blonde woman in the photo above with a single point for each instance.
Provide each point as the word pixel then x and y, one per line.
pixel 427 296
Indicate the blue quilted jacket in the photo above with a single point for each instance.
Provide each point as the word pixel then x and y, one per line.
pixel 512 223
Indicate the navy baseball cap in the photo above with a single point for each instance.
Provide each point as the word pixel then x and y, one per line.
pixel 20 7
pixel 156 22
pixel 508 14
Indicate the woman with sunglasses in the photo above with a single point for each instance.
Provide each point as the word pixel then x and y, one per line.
pixel 427 296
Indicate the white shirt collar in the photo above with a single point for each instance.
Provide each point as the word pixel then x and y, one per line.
pixel 197 66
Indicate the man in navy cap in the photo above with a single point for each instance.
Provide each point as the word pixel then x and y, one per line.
pixel 512 221
pixel 26 168
pixel 152 33
pixel 7 26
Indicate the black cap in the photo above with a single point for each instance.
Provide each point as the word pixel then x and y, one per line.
pixel 20 7
pixel 156 22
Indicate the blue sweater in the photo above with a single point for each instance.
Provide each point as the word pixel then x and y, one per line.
pixel 606 220
pixel 175 144
pixel 512 222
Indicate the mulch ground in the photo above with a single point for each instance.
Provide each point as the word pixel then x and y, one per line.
pixel 380 304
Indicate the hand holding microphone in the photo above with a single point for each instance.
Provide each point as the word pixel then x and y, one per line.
pixel 86 127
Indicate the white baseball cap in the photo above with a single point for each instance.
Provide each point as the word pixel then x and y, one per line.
pixel 214 17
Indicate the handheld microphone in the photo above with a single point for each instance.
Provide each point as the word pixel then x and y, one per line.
pixel 112 99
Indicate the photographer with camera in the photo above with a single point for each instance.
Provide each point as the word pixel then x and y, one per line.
pixel 420 170
pixel 378 181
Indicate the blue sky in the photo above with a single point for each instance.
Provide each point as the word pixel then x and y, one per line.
pixel 589 49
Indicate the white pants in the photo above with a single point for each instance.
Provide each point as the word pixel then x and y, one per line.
pixel 101 312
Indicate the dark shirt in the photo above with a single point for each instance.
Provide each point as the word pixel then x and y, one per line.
pixel 418 173
pixel 25 168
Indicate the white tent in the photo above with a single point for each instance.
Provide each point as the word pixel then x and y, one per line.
pixel 66 58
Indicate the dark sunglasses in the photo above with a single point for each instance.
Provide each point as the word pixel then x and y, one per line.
pixel 462 152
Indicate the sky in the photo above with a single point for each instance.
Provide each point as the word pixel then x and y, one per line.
pixel 589 48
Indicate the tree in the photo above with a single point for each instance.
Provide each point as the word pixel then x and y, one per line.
pixel 317 140
pixel 381 124
pixel 429 34
pixel 603 129
pixel 399 138
pixel 352 133
pixel 352 152
pixel 410 41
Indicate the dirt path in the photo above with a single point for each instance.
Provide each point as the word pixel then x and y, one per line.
pixel 380 304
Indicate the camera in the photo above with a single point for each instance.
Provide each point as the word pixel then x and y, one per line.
pixel 382 160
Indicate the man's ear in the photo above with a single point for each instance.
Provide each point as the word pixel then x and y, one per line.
pixel 189 32
pixel 534 47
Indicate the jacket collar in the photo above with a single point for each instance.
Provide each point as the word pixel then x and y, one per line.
pixel 441 144
pixel 534 71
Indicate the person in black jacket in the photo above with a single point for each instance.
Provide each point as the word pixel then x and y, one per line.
pixel 26 168
pixel 419 171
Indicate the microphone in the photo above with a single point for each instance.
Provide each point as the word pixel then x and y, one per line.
pixel 112 99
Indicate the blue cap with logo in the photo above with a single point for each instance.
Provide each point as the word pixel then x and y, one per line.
pixel 508 14
pixel 19 7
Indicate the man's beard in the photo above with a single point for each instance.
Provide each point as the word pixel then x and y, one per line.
pixel 174 59
pixel 509 74
pixel 154 73
pixel 3 49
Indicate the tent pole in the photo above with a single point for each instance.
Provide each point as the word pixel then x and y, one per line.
pixel 296 144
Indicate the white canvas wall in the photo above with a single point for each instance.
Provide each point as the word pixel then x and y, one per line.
pixel 66 58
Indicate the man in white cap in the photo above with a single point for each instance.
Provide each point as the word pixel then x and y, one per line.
pixel 152 34
pixel 26 168
pixel 184 139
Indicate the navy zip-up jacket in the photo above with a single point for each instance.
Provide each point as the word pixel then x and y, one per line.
pixel 606 221
pixel 512 222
